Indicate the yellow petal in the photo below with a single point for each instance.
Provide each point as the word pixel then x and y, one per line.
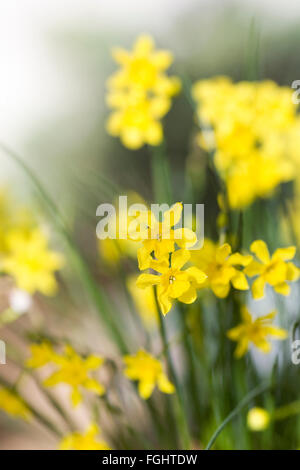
pixel 145 389
pixel 283 288
pixel 285 254
pixel 76 397
pixel 222 253
pixel 220 290
pixel 120 55
pixel 146 280
pixel 189 296
pixel 179 258
pixel 260 249
pixel 154 133
pixel 254 268
pixel 239 281
pixel 164 303
pixel 258 287
pixel 173 215
pixel 164 384
pixel 184 237
pixel 196 275
pixel 162 59
pixel 143 45
pixel 144 258
pixel 293 272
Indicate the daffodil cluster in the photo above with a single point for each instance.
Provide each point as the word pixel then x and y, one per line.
pixel 251 127
pixel 70 368
pixel 140 93
pixel 158 253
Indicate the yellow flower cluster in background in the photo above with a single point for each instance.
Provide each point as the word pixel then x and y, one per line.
pixel 148 371
pixel 140 93
pixel 84 441
pixel 13 404
pixel 71 369
pixel 248 127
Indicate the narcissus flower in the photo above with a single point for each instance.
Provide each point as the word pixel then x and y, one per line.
pixel 71 369
pixel 148 371
pixel 85 441
pixel 273 270
pixel 173 283
pixel 160 238
pixel 255 331
pixel 221 267
pixel 30 261
pixel 258 419
pixel 14 405
pixel 140 93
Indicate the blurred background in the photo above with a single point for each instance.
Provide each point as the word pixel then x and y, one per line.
pixel 55 60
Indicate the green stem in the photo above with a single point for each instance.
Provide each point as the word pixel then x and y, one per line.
pixel 192 366
pixel 180 412
pixel 94 290
pixel 161 175
pixel 243 403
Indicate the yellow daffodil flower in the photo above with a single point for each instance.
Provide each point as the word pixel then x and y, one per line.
pixel 258 419
pixel 148 370
pixel 255 331
pixel 221 267
pixel 274 270
pixel 85 441
pixel 14 405
pixel 140 93
pixel 71 369
pixel 30 261
pixel 173 283
pixel 159 238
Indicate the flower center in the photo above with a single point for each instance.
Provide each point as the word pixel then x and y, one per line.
pixel 172 279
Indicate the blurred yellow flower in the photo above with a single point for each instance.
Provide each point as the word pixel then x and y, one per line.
pixel 258 419
pixel 248 126
pixel 85 441
pixel 14 405
pixel 41 354
pixel 173 283
pixel 113 248
pixel 144 301
pixel 140 93
pixel 148 370
pixel 30 261
pixel 255 331
pixel 272 270
pixel 221 267
pixel 71 369
pixel 160 238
